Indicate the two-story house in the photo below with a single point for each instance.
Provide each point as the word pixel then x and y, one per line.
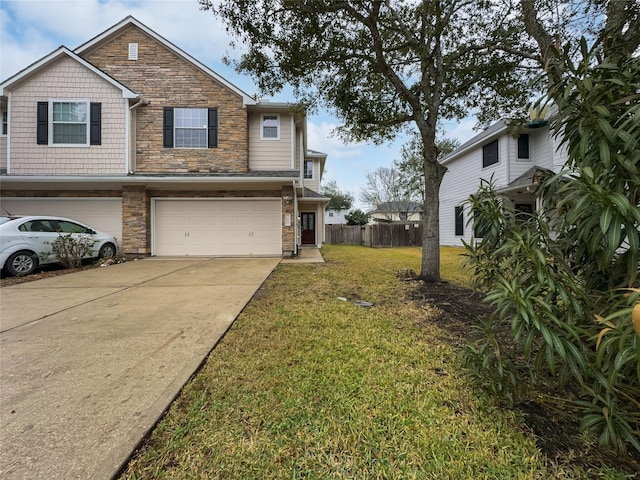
pixel 133 136
pixel 511 158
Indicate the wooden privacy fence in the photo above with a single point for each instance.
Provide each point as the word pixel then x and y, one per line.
pixel 406 234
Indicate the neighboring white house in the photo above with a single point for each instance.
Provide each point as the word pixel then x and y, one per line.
pixel 335 217
pixel 510 158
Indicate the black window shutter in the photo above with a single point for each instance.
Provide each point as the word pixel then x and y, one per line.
pixel 213 128
pixel 167 127
pixel 95 124
pixel 43 123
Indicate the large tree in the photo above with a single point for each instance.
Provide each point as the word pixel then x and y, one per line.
pixel 410 164
pixel 340 200
pixel 388 65
pixel 386 193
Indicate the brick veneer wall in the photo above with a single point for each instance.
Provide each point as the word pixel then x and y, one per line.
pixel 288 233
pixel 136 220
pixel 167 80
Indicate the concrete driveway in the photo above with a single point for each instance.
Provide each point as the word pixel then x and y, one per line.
pixel 90 360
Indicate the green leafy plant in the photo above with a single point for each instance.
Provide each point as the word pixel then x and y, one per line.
pixel 356 217
pixel 567 278
pixel 69 250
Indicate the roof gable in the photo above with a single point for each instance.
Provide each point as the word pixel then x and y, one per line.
pixel 128 21
pixel 48 60
pixel 491 132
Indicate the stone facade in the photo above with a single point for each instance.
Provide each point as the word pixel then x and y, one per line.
pixel 288 231
pixel 165 79
pixel 136 238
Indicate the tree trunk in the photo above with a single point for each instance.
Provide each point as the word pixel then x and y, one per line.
pixel 433 173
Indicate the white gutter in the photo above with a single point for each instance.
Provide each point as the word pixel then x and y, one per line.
pixel 136 179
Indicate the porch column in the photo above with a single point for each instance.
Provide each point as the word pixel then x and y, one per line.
pixel 136 220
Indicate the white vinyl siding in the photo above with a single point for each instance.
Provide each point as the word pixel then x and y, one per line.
pixel 272 154
pixel 461 180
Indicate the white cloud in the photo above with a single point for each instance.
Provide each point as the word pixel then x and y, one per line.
pixel 32 29
pixel 321 137
pixel 462 130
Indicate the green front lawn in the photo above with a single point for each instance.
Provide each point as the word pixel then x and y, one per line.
pixel 308 386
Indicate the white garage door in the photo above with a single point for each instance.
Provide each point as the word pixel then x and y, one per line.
pixel 104 214
pixel 217 227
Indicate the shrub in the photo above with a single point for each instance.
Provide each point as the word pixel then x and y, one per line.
pixel 566 280
pixel 69 250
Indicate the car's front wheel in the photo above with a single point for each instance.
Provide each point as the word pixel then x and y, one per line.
pixel 108 250
pixel 21 263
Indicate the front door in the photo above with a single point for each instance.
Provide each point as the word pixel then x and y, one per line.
pixel 308 228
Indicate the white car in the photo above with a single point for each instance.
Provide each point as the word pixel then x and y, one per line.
pixel 25 242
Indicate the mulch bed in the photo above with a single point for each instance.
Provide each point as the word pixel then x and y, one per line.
pixel 557 433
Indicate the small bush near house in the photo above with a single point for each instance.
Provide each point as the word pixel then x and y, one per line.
pixel 566 280
pixel 69 251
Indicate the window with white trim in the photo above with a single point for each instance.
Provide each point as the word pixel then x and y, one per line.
pixel 270 127
pixel 190 127
pixel 69 123
pixel 308 169
pixel 5 123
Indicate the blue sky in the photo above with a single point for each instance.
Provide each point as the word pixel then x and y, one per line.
pixel 30 29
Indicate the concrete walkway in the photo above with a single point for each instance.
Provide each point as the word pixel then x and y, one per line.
pixel 90 360
pixel 306 255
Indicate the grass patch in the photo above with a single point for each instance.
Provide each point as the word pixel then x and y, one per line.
pixel 307 386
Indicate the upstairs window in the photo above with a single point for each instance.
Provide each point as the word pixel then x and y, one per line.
pixel 270 129
pixel 459 221
pixel 523 145
pixel 490 154
pixel 5 123
pixel 190 127
pixel 308 169
pixel 69 123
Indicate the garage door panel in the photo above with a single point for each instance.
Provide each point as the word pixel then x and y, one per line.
pixel 104 214
pixel 217 227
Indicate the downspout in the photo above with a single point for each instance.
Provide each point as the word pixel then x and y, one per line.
pixel 129 158
pixel 9 133
pixel 293 142
pixel 295 219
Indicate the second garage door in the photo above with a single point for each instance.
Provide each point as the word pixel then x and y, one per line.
pixel 236 227
pixel 104 214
